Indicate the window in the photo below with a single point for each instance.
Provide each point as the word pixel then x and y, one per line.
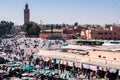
pixel 109 38
pixel 100 33
pixel 104 57
pixel 114 58
pixel 99 56
pixel 105 33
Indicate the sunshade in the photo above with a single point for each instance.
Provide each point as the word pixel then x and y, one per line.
pixel 35 56
pixel 57 61
pixel 53 72
pixel 28 68
pixel 66 75
pixel 15 65
pixel 11 62
pixel 49 72
pixel 12 68
pixel 45 72
pixel 28 74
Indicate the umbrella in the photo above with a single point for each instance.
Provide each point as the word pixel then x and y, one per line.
pixel 16 65
pixel 35 56
pixel 14 78
pixel 2 72
pixel 53 72
pixel 57 61
pixel 42 71
pixel 66 75
pixel 49 72
pixel 9 69
pixel 45 72
pixel 24 78
pixel 28 74
pixel 25 74
pixel 11 62
pixel 31 74
pixel 73 79
pixel 28 68
pixel 18 79
pixel 2 54
pixel 28 78
pixel 12 68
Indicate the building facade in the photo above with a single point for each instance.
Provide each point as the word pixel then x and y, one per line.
pixel 111 33
pixel 26 13
pixel 66 33
pixel 48 34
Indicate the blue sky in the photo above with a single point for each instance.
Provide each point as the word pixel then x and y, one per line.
pixel 62 11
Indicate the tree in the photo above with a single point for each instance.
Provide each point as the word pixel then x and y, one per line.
pixel 64 25
pixel 51 27
pixel 76 24
pixel 31 28
pixel 5 27
pixel 2 32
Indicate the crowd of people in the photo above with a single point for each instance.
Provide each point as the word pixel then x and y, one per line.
pixel 23 51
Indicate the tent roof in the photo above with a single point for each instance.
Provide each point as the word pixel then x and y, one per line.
pixel 77 47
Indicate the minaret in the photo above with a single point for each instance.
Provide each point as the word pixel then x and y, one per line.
pixel 26 13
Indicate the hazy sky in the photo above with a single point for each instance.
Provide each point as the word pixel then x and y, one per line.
pixel 62 11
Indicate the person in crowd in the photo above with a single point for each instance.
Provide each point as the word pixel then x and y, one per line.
pixel 91 75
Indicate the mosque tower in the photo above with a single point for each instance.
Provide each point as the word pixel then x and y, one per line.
pixel 26 13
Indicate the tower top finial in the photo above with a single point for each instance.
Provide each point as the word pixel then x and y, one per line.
pixel 26 5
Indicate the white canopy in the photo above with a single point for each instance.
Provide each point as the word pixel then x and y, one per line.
pixel 104 65
pixel 77 47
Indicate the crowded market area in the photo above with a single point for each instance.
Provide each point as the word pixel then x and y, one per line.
pixel 24 58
